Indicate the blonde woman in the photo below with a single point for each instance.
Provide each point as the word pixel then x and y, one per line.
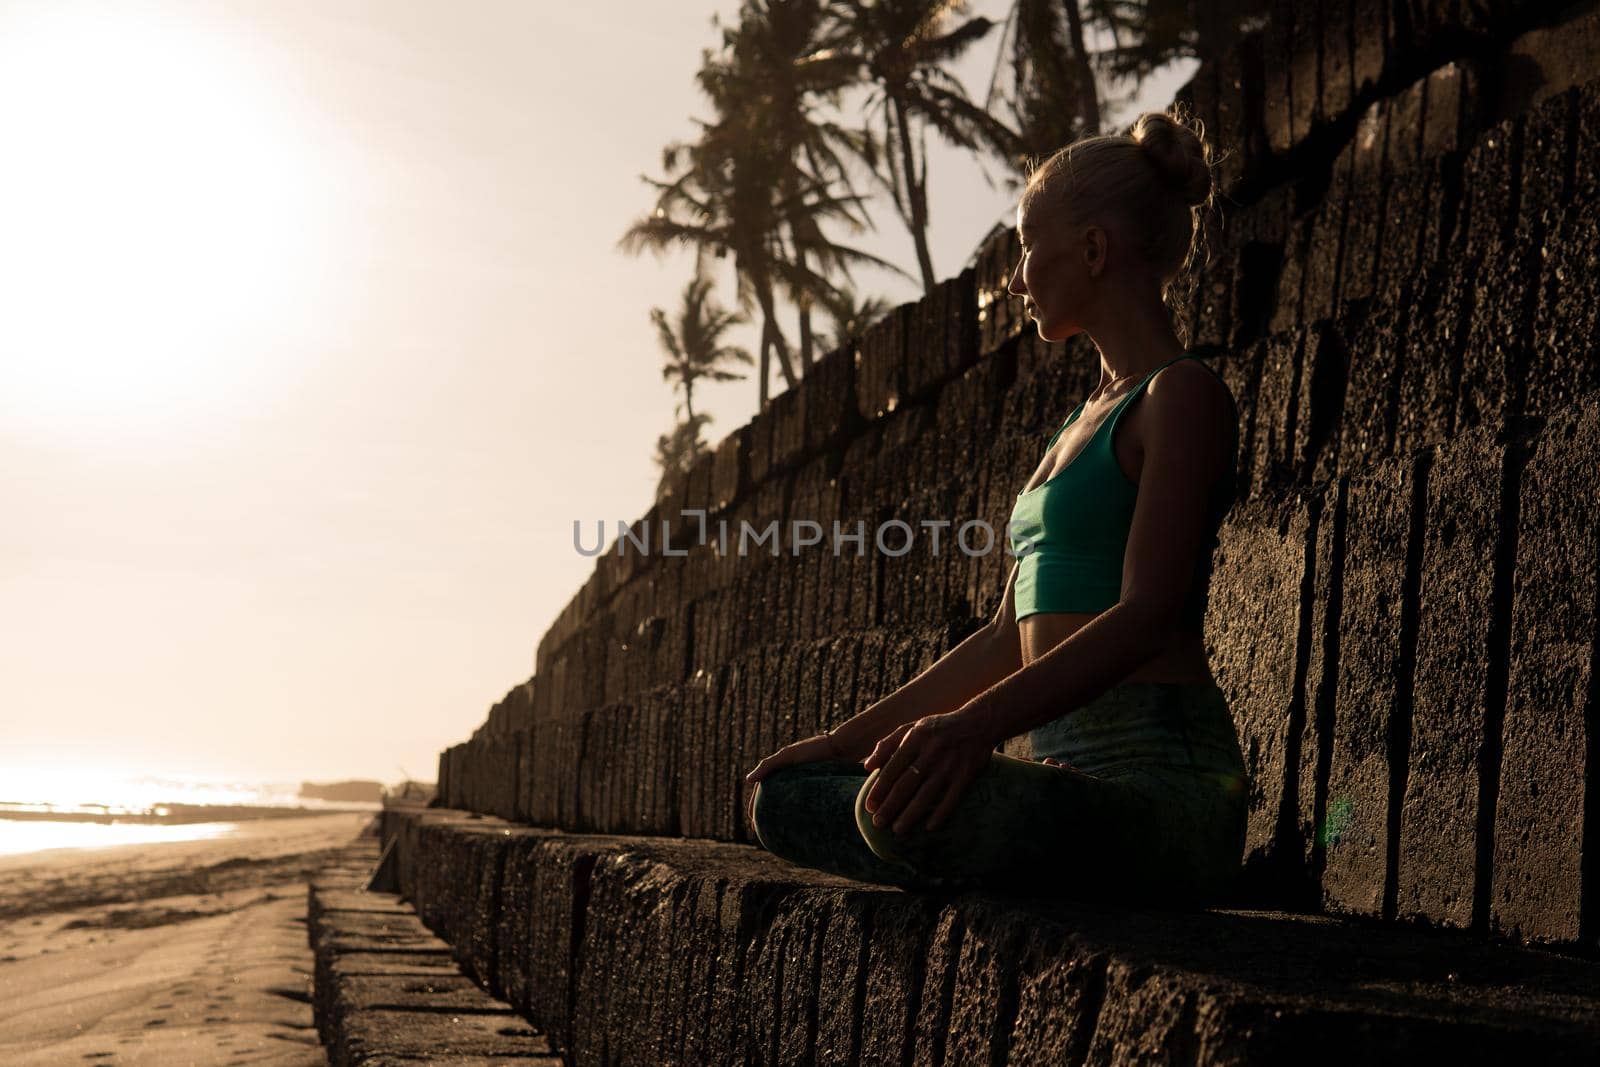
pixel 1138 787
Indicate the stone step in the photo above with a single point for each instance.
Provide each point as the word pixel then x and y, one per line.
pixel 652 950
pixel 389 992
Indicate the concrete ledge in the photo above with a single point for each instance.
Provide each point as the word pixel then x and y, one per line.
pixel 388 991
pixel 651 950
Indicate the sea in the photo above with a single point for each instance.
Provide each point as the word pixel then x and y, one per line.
pixel 56 808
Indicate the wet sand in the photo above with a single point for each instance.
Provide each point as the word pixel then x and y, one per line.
pixel 189 952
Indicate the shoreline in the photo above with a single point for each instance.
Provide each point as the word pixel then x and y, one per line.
pixel 173 814
pixel 188 951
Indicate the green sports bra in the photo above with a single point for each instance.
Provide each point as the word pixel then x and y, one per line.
pixel 1069 533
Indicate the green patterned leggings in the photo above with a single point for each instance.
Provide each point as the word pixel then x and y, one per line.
pixel 1151 809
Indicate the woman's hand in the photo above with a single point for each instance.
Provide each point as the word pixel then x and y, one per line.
pixel 808 750
pixel 948 752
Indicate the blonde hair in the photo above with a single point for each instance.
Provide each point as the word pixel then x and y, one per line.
pixel 1154 182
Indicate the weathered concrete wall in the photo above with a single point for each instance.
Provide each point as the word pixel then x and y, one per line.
pixel 656 950
pixel 1403 296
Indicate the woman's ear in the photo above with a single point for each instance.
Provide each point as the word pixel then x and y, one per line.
pixel 1094 249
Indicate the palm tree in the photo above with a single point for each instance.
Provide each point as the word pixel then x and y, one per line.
pixel 721 204
pixel 1160 31
pixel 782 61
pixel 1054 98
pixel 694 345
pixel 741 184
pixel 783 52
pixel 851 316
pixel 677 450
pixel 903 46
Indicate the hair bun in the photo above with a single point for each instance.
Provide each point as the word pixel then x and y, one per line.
pixel 1179 152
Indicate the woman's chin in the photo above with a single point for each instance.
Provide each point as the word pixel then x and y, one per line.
pixel 1055 335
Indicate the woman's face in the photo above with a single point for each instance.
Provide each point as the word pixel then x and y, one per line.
pixel 1059 271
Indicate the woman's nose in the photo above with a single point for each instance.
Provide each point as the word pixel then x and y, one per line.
pixel 1016 287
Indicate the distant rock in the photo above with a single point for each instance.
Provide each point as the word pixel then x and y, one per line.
pixel 356 791
pixel 422 792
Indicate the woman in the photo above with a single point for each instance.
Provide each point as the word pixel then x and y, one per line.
pixel 1096 649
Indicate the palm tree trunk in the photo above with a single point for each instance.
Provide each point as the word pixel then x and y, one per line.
pixel 770 327
pixel 766 368
pixel 805 320
pixel 1088 91
pixel 916 196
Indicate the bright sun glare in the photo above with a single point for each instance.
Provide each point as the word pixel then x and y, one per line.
pixel 158 218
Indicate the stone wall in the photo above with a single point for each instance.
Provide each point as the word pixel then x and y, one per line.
pixel 1402 294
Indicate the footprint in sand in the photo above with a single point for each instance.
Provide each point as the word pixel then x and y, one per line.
pixel 162 1007
pixel 97 1055
pixel 217 1019
pixel 156 1022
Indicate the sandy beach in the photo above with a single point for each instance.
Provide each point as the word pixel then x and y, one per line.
pixel 190 952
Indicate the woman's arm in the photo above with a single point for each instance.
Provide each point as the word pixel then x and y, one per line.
pixel 986 656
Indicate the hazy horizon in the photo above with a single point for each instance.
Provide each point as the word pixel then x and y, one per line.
pixel 320 342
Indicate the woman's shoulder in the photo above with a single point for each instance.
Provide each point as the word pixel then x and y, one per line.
pixel 1191 402
pixel 1192 385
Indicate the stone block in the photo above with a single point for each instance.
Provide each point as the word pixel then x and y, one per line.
pixel 901 927
pixel 744 916
pixel 1433 320
pixel 831 407
pixel 1549 59
pixel 1566 316
pixel 1272 461
pixel 810 668
pixel 1239 108
pixel 1489 174
pixel 729 469
pixel 1366 425
pixel 941 334
pixel 1453 720
pixel 1497 348
pixel 1586 152
pixel 1059 993
pixel 407 993
pixel 1320 403
pixel 438 1037
pixel 561 870
pixel 1253 633
pixel 983 999
pixel 1304 62
pixel 1445 109
pixel 1276 57
pixel 999 315
pixel 694 916
pixel 839 979
pixel 1338 57
pixel 796 1008
pixel 1358 262
pixel 699 486
pixel 1369 712
pixel 790 411
pixel 838 695
pixel 1287 305
pixel 1541 819
pixel 880 367
pixel 1373 35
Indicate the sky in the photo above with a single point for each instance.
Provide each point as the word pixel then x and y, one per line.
pixel 317 342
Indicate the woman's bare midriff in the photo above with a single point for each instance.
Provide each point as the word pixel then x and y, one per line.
pixel 1184 660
